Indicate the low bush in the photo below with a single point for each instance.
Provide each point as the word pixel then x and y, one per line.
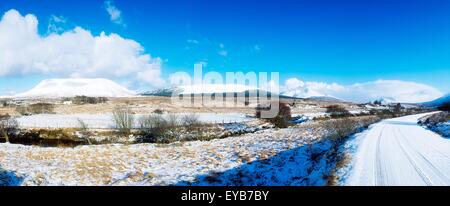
pixel 87 100
pixel 382 113
pixel 341 128
pixel 8 125
pixel 154 128
pixel 172 120
pixel 397 111
pixel 37 108
pixel 123 119
pixel 4 103
pixel 84 130
pixel 281 120
pixel 190 121
pixel 337 111
pixel 158 111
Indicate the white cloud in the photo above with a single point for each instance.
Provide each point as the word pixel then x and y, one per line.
pixel 399 91
pixel 114 13
pixel 55 24
pixel 74 53
pixel 293 83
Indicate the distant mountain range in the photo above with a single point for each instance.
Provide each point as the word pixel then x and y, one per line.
pixel 210 89
pixel 227 89
pixel 56 88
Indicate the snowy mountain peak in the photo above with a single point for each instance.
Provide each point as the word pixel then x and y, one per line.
pixel 55 88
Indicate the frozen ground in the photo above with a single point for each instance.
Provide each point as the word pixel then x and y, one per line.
pixel 104 121
pixel 398 152
pixel 269 157
pixel 442 128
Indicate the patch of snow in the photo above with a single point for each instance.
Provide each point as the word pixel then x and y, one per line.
pixel 300 118
pixel 272 157
pixel 442 128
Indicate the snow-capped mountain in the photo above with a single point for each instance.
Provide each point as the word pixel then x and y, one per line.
pixel 55 88
pixel 439 101
pixel 201 89
pixel 162 92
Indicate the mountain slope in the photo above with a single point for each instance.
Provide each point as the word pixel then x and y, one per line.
pixel 439 101
pixel 205 89
pixel 55 88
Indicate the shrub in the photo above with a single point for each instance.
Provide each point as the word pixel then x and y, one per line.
pixel 158 111
pixel 8 125
pixel 155 128
pixel 123 119
pixel 190 121
pixel 41 108
pixel 341 128
pixel 3 103
pixel 84 127
pixel 337 111
pixel 385 113
pixel 397 110
pixel 281 120
pixel 172 120
pixel 153 125
pixel 88 100
pixel 37 108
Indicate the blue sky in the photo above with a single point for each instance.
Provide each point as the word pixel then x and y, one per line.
pixel 328 41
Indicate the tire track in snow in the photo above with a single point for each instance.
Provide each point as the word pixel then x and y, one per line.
pixel 413 163
pixel 379 179
pixel 425 160
pixel 400 152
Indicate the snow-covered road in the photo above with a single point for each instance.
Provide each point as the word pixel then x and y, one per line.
pixel 400 152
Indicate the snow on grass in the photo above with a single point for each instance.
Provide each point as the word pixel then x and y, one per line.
pixel 442 128
pixel 104 121
pixel 437 122
pixel 271 157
